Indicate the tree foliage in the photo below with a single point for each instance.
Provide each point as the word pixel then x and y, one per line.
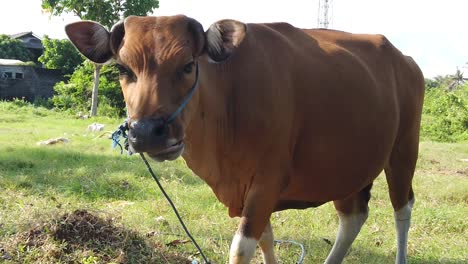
pixel 76 94
pixel 448 82
pixel 61 55
pixel 13 49
pixel 445 112
pixel 103 11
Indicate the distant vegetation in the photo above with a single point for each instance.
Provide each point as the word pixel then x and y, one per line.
pixel 75 95
pixel 445 112
pixel 60 54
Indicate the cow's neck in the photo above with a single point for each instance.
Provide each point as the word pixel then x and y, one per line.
pixel 212 149
pixel 209 136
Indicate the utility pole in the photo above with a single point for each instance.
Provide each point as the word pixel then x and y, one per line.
pixel 324 16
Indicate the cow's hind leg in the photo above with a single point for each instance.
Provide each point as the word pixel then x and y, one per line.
pixel 266 243
pixel 399 172
pixel 402 225
pixel 352 213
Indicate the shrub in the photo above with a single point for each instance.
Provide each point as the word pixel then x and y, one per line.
pixel 19 102
pixel 60 54
pixel 445 115
pixel 76 94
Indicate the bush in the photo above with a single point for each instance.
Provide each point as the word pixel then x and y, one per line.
pixel 19 102
pixel 445 115
pixel 61 55
pixel 43 102
pixel 76 94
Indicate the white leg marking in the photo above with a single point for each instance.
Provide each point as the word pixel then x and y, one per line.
pixel 349 228
pixel 402 224
pixel 242 249
pixel 267 245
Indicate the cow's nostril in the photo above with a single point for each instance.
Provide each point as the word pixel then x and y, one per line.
pixel 160 130
pixel 147 131
pixel 131 135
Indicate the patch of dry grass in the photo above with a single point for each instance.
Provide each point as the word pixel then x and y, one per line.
pixel 84 237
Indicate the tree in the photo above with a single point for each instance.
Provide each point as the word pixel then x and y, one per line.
pixel 75 95
pixel 445 114
pixel 61 55
pixel 106 12
pixel 430 83
pixel 442 82
pixel 457 79
pixel 13 49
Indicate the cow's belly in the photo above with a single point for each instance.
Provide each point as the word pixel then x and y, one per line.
pixel 333 165
pixel 345 137
pixel 320 185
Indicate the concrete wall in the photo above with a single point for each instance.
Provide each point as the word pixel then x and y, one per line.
pixel 35 82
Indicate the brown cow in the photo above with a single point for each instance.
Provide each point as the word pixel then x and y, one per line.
pixel 280 117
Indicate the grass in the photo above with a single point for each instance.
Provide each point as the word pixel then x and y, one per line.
pixel 41 184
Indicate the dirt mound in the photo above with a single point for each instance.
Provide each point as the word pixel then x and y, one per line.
pixel 83 237
pixel 83 228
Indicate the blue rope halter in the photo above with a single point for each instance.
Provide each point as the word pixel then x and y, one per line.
pixel 189 95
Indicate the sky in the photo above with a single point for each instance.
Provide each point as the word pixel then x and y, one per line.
pixel 433 32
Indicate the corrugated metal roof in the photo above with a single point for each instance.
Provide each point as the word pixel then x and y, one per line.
pixel 8 62
pixel 29 39
pixel 22 34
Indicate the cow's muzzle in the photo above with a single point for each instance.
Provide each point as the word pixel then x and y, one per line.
pixel 152 136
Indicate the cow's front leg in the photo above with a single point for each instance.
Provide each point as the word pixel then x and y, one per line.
pixel 256 213
pixel 267 244
pixel 242 248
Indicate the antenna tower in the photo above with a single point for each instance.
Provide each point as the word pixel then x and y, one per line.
pixel 324 16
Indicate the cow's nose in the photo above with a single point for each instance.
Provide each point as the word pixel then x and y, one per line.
pixel 145 134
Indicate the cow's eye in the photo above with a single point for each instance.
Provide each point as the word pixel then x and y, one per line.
pixel 125 72
pixel 188 67
pixel 122 69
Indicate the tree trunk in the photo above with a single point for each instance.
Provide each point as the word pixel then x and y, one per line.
pixel 94 99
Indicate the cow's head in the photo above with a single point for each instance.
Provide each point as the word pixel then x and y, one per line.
pixel 158 59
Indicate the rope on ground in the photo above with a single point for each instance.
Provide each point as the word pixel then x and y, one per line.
pixel 174 208
pixel 301 259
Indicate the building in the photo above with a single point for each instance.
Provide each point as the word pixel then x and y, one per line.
pixel 23 80
pixel 32 42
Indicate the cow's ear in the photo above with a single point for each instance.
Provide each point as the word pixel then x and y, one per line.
pixel 223 37
pixel 116 36
pixel 198 36
pixel 91 39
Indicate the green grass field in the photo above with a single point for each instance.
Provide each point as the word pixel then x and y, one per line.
pixel 40 184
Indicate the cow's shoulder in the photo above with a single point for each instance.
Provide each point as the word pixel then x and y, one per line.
pixel 279 30
pixel 350 41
